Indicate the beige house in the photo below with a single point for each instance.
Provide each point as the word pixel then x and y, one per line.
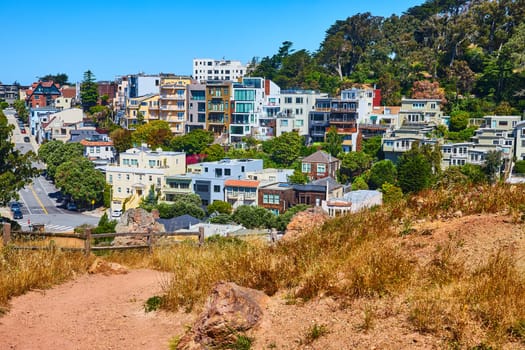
pixel 61 123
pixel 147 106
pixel 419 111
pixel 139 170
pixel 172 102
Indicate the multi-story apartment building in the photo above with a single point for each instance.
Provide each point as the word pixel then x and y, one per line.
pixel 343 117
pixel 519 140
pixel 142 84
pixel 295 108
pixel 420 111
pixel 270 175
pixel 209 183
pixel 140 169
pixel 173 101
pixel 497 133
pixel 218 109
pixel 241 192
pixel 210 69
pixel 398 141
pixel 196 94
pixel 144 107
pixel 9 92
pixel 318 119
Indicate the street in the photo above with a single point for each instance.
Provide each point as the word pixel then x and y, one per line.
pixel 38 199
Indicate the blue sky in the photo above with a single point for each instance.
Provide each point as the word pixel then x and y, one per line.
pixel 120 37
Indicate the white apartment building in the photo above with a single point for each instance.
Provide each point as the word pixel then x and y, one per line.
pixel 138 170
pixel 295 108
pixel 210 69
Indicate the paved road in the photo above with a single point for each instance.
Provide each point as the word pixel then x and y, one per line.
pixel 38 199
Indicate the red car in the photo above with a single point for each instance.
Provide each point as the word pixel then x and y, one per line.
pixel 23 130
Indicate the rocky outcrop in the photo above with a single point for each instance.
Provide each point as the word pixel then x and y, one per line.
pixel 136 220
pixel 230 311
pixel 106 268
pixel 304 222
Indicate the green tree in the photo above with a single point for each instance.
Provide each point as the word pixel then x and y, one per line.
pixel 354 164
pixel 382 172
pixel 458 120
pixel 252 217
pixel 220 207
pixel 105 225
pixel 298 177
pixel 193 142
pixel 414 170
pixel 59 78
pixel 391 193
pixel 79 178
pixel 21 110
pixel 359 183
pixel 55 153
pixel 156 133
pixel 474 173
pixel 493 163
pixel 333 142
pixel 519 167
pixel 285 149
pixel 16 168
pixel 372 147
pixel 214 152
pixel 121 139
pixel 88 91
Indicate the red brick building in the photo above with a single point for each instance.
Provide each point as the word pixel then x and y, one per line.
pixel 42 94
pixel 320 165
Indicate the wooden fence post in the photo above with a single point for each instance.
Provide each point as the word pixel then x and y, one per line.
pixel 149 239
pixel 6 235
pixel 201 235
pixel 87 242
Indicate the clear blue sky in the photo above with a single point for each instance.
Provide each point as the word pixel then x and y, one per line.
pixel 116 37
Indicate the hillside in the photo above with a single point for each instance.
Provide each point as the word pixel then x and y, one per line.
pixel 444 269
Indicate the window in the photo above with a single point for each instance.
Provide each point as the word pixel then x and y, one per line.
pixel 288 100
pixel 271 199
pixel 307 167
pixel 150 178
pixel 284 122
pixel 127 177
pixel 227 172
pixel 218 172
pixel 298 100
pixel 321 168
pixel 201 188
pixel 110 178
pixel 151 163
pixel 206 170
pixel 418 105
pixel 216 188
pixel 503 123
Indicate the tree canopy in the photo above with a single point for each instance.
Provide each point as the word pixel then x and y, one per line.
pixel 16 169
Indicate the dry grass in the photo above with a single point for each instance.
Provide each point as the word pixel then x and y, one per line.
pixel 21 271
pixel 355 256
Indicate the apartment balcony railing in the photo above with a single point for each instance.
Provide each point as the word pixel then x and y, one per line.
pixel 172 108
pixel 343 109
pixel 241 195
pixel 173 97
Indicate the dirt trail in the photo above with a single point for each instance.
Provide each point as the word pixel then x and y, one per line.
pixel 92 312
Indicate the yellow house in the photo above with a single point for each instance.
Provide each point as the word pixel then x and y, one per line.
pixel 139 170
pixel 172 102
pixel 147 106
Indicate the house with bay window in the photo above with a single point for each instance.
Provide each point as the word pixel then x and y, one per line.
pixel 320 165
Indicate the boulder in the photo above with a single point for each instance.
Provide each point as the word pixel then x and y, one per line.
pixel 136 220
pixel 229 311
pixel 106 268
pixel 304 222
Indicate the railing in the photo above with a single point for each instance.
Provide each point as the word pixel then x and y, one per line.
pixel 12 237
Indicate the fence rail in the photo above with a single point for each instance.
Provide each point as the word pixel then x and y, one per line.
pixel 88 238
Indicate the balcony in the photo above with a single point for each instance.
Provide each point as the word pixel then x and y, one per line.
pixel 343 109
pixel 343 130
pixel 172 108
pixel 241 195
pixel 173 97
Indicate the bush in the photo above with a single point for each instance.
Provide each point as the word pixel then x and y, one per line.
pixel 519 167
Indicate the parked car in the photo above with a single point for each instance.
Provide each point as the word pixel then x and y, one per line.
pixel 17 214
pixel 15 206
pixel 71 206
pixel 116 213
pixel 23 130
pixel 26 139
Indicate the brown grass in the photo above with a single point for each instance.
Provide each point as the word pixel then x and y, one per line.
pixel 21 271
pixel 351 257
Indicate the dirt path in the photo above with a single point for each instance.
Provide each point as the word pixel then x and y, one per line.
pixel 92 312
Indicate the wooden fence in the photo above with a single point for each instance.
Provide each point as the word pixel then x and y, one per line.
pixel 149 239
